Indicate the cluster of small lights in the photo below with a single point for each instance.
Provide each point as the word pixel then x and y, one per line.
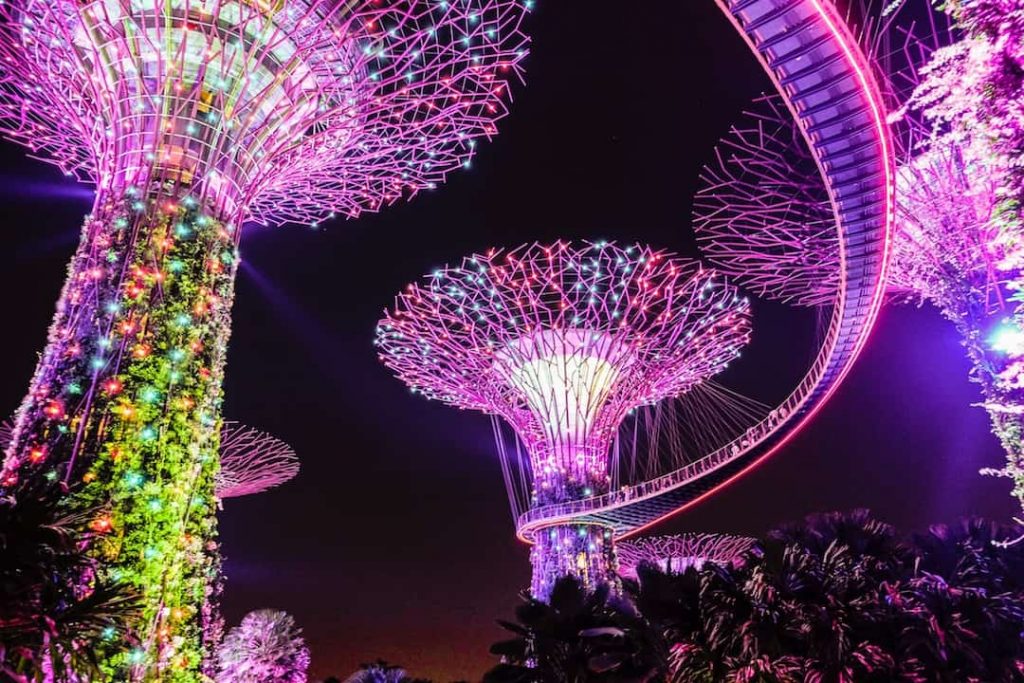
pixel 681 552
pixel 584 551
pixel 562 340
pixel 288 111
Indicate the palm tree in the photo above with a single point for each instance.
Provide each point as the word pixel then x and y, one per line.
pixel 964 604
pixel 842 598
pixel 266 647
pixel 578 636
pixel 56 612
pixel 837 598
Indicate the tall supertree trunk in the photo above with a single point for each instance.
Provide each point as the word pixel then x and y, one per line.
pixel 585 552
pixel 124 411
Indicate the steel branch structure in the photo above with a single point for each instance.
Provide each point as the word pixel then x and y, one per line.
pixel 679 553
pixel 252 461
pixel 562 340
pixel 272 112
pixel 190 118
pixel 762 213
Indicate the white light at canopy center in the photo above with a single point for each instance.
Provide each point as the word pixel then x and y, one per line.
pixel 564 376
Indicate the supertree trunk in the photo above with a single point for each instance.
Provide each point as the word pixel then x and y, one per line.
pixel 585 552
pixel 123 413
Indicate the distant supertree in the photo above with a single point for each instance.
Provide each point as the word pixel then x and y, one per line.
pixel 266 647
pixel 681 552
pixel 191 118
pixel 252 461
pixel 959 237
pixel 379 672
pixel 761 213
pixel 562 340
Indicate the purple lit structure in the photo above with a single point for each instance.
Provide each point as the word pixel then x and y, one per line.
pixel 561 341
pixel 191 118
pixel 676 554
pixel 762 214
pixel 252 462
pixel 958 241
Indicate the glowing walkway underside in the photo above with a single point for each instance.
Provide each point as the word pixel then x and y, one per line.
pixel 824 77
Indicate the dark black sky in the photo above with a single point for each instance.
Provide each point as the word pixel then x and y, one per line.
pixel 396 541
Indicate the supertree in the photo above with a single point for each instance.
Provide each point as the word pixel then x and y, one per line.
pixel 267 647
pixel 761 213
pixel 190 118
pixel 561 340
pixel 681 552
pixel 252 461
pixel 959 237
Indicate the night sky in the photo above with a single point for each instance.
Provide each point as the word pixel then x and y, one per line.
pixel 395 541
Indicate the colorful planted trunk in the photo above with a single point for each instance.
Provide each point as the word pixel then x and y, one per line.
pixel 124 408
pixel 192 117
pixel 583 551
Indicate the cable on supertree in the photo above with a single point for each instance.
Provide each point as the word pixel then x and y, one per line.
pixel 252 461
pixel 190 118
pixel 676 554
pixel 6 433
pixel 561 340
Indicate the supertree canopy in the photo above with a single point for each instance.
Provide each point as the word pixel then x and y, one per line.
pixel 761 213
pixel 190 118
pixel 562 340
pixel 681 552
pixel 959 234
pixel 252 461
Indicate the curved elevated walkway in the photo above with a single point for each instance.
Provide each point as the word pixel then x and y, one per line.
pixel 826 81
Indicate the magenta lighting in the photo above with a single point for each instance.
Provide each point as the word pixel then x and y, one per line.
pixel 272 112
pixel 762 214
pixel 252 462
pixel 191 118
pixel 679 553
pixel 562 340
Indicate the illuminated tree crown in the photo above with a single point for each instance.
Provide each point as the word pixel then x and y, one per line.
pixel 252 462
pixel 681 552
pixel 561 340
pixel 281 111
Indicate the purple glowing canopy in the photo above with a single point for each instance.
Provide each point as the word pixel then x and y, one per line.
pixel 252 461
pixel 562 340
pixel 681 552
pixel 282 111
